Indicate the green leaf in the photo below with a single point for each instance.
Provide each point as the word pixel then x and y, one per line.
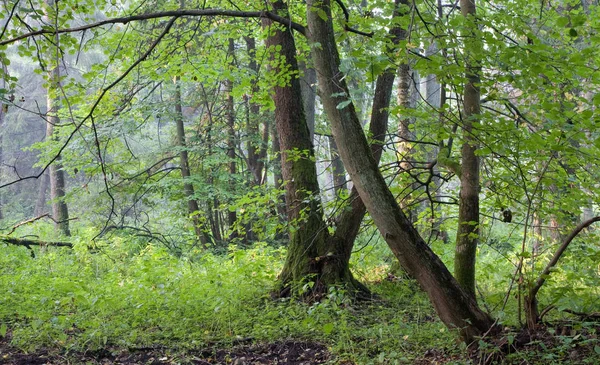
pixel 4 329
pixel 597 349
pixel 572 32
pixel 343 104
pixel 328 328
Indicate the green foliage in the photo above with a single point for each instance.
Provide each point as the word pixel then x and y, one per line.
pixel 83 300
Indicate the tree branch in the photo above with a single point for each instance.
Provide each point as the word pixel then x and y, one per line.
pixel 165 14
pixel 26 222
pixel 546 273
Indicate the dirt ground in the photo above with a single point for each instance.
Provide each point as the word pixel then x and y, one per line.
pixel 567 343
pixel 280 353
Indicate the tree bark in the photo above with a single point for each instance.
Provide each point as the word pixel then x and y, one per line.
pixel 338 172
pixel 3 111
pixel 467 235
pixel 257 139
pixel 230 115
pixel 60 212
pixel 456 308
pixel 348 222
pixel 188 188
pixel 40 203
pixel 308 83
pixel 312 263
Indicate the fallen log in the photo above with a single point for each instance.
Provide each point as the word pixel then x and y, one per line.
pixel 28 243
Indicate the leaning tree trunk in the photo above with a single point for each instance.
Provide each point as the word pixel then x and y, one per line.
pixel 467 234
pixel 349 220
pixel 456 308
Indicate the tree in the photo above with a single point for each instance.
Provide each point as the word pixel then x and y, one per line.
pixel 311 257
pixel 467 234
pixel 454 305
pixel 188 188
pixel 60 211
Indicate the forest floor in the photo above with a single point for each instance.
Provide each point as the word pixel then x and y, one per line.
pixel 309 353
pixel 151 307
pixel 281 353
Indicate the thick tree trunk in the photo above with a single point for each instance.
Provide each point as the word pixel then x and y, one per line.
pixel 188 188
pixel 456 308
pixel 308 83
pixel 311 257
pixel 467 235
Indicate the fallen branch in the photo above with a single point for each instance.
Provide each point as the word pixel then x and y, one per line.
pixel 28 243
pixel 583 315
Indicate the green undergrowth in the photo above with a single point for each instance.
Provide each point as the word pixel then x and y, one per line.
pixel 131 295
pixel 77 300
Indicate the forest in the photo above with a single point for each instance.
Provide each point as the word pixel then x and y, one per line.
pixel 312 182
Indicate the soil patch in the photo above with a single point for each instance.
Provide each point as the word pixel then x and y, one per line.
pixel 280 353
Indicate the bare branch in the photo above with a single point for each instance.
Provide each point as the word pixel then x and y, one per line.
pixel 26 222
pixel 546 273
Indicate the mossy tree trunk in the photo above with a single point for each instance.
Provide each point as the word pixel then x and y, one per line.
pixel 312 255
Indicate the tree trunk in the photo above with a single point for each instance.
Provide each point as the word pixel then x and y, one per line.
pixel 60 212
pixel 456 308
pixel 405 146
pixel 188 188
pixel 308 83
pixel 230 115
pixel 467 235
pixel 348 222
pixel 277 176
pixel 3 111
pixel 435 94
pixel 257 139
pixel 40 202
pixel 338 172
pixel 311 265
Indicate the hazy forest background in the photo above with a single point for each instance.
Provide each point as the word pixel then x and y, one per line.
pixel 285 182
